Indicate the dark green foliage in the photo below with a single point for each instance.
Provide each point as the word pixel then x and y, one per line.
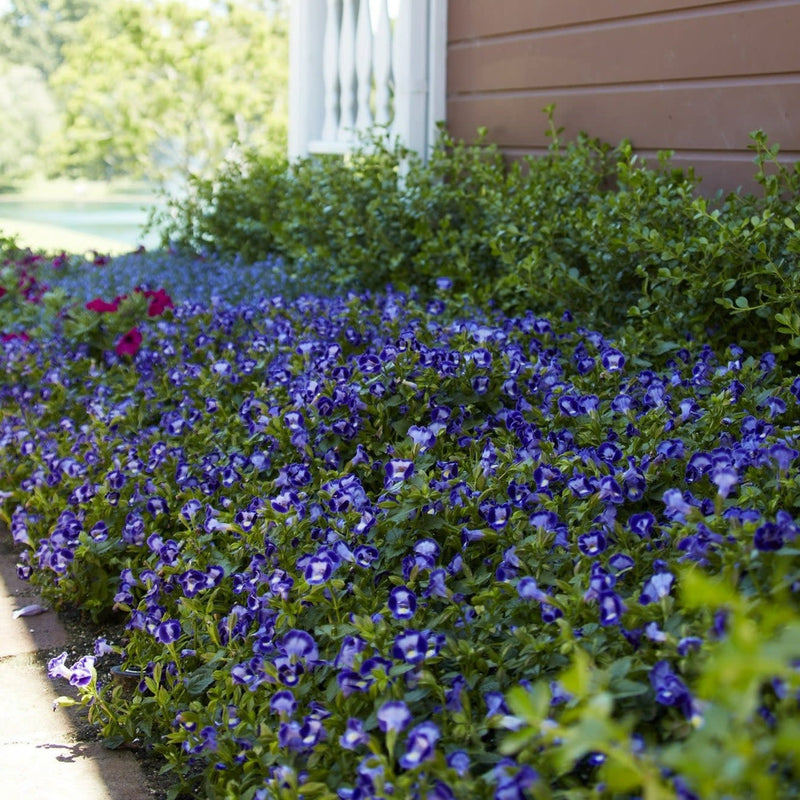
pixel 631 249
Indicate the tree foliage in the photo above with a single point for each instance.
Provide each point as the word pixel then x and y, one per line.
pixel 34 33
pixel 154 88
pixel 29 115
pixel 140 88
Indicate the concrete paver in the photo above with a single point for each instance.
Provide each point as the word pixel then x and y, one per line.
pixel 39 755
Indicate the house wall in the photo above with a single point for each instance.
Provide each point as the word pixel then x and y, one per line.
pixel 693 77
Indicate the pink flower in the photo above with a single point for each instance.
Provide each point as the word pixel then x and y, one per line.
pixel 101 306
pixel 159 302
pixel 130 343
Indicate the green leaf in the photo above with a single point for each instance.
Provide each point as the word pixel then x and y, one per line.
pixel 619 777
pixel 628 688
pixel 577 678
pixel 531 705
pixel 201 679
pixel 701 591
pixel 65 702
pixel 516 740
pixel 113 742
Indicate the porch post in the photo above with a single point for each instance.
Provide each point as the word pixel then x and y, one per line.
pixel 437 68
pixel 306 88
pixel 410 58
pixel 420 53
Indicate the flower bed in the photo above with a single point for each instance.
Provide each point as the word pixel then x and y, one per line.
pixel 373 546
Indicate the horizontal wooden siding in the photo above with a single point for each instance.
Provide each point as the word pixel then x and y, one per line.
pixel 695 78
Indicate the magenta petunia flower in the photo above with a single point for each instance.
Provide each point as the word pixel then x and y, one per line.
pixel 129 343
pixel 102 306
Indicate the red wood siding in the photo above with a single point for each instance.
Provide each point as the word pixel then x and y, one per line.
pixel 695 78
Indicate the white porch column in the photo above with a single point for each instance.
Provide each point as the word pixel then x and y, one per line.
pixel 437 68
pixel 306 90
pixel 410 59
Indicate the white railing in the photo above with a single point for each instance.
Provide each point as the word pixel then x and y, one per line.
pixel 356 64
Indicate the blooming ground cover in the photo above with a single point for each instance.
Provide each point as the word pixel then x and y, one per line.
pixel 378 545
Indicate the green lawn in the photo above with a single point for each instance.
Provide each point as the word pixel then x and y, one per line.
pixel 53 238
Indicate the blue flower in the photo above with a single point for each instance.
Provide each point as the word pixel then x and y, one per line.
pixel 612 359
pixel 725 478
pixel 669 688
pixel 192 581
pixel 350 682
pixel 365 555
pixel 581 485
pixel 689 643
pixel 369 364
pixel 351 646
pixel 453 694
pixel 168 631
pixel 426 551
pixel 80 674
pixel 397 470
pixel 569 406
pixel 420 745
pixel 512 782
pixel 495 514
pixel 592 543
pixel 299 645
pixel 410 646
pixel 558 695
pixel 459 761
pixel 393 716
pixel 620 562
pixel 423 437
pixel 283 703
pixel 768 537
pixel 528 589
pixel 318 569
pixel 312 732
pixel 354 734
pixel 611 608
pixel 437 586
pixel 440 791
pixel 676 505
pixel 782 455
pixel 656 587
pixel 642 524
pixel 402 602
pixel 550 613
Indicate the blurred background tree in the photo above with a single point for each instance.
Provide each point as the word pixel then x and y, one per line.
pixel 143 89
pixel 29 118
pixel 33 33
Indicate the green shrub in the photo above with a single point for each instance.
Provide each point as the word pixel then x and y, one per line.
pixel 633 250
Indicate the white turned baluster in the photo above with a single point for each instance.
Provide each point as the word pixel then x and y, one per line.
pixel 400 73
pixel 364 65
pixel 382 64
pixel 410 74
pixel 347 72
pixel 330 72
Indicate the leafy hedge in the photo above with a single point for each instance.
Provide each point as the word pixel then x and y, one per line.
pixel 374 546
pixel 633 249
